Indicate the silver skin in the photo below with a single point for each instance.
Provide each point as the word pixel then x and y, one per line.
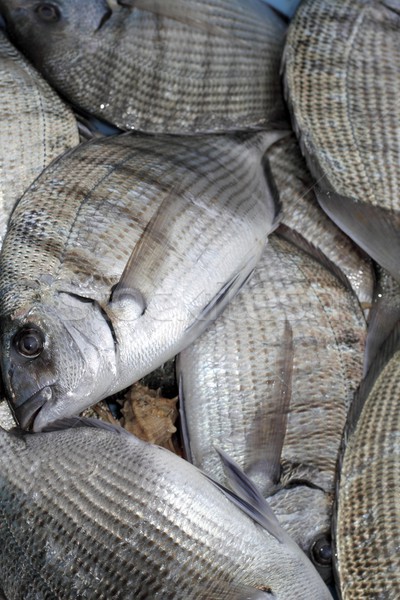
pixel 92 513
pixel 367 520
pixel 35 127
pixel 177 66
pixel 176 224
pixel 342 83
pixel 231 379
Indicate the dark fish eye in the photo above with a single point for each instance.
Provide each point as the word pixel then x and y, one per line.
pixel 321 551
pixel 48 12
pixel 29 342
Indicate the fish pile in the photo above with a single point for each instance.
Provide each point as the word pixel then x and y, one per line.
pixel 217 183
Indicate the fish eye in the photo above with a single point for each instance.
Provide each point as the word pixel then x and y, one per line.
pixel 29 342
pixel 321 551
pixel 47 12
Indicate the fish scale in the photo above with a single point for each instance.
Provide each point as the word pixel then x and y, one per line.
pixel 192 216
pixel 368 521
pixel 230 376
pixel 36 127
pixel 342 85
pixel 314 231
pixel 111 516
pixel 177 67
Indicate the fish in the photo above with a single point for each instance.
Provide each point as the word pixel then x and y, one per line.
pixel 367 515
pixel 94 512
pixel 385 313
pixel 35 127
pixel 304 223
pixel 342 83
pixel 118 256
pixel 270 382
pixel 177 66
pixel 7 420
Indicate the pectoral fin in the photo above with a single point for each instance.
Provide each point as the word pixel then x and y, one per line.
pixel 152 246
pixel 375 229
pixel 265 441
pixel 385 313
pixel 248 498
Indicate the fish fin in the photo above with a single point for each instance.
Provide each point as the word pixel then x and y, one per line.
pixel 184 425
pixel 151 247
pixel 269 430
pixel 393 6
pixel 298 240
pixel 247 497
pixel 385 353
pixel 384 315
pixel 216 305
pixel 374 229
pixel 77 422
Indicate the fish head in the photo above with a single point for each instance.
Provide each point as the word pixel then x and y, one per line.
pixel 54 35
pixel 305 512
pixel 57 359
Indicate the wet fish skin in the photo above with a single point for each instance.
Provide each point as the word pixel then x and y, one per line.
pixel 305 223
pixel 229 377
pixel 176 66
pixel 173 225
pixel 111 516
pixel 35 127
pixel 367 525
pixel 342 84
pixel 385 313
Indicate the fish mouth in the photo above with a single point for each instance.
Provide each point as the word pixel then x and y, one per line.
pixel 27 412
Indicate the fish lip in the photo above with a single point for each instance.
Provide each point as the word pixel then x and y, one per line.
pixel 27 412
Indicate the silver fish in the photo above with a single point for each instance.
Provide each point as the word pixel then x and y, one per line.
pixel 7 420
pixel 305 223
pixel 119 256
pixel 385 313
pixel 35 127
pixel 278 412
pixel 176 66
pixel 92 513
pixel 367 530
pixel 342 79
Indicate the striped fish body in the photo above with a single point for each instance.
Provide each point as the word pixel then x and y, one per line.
pixel 342 83
pixel 367 527
pixel 177 224
pixel 35 127
pixel 175 66
pixel 230 375
pixel 87 513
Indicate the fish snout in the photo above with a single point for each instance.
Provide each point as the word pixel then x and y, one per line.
pixel 26 411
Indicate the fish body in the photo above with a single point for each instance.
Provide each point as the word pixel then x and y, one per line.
pixel 175 66
pixel 230 376
pixel 342 84
pixel 367 531
pixel 89 513
pixel 385 313
pixel 305 223
pixel 35 127
pixel 118 256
